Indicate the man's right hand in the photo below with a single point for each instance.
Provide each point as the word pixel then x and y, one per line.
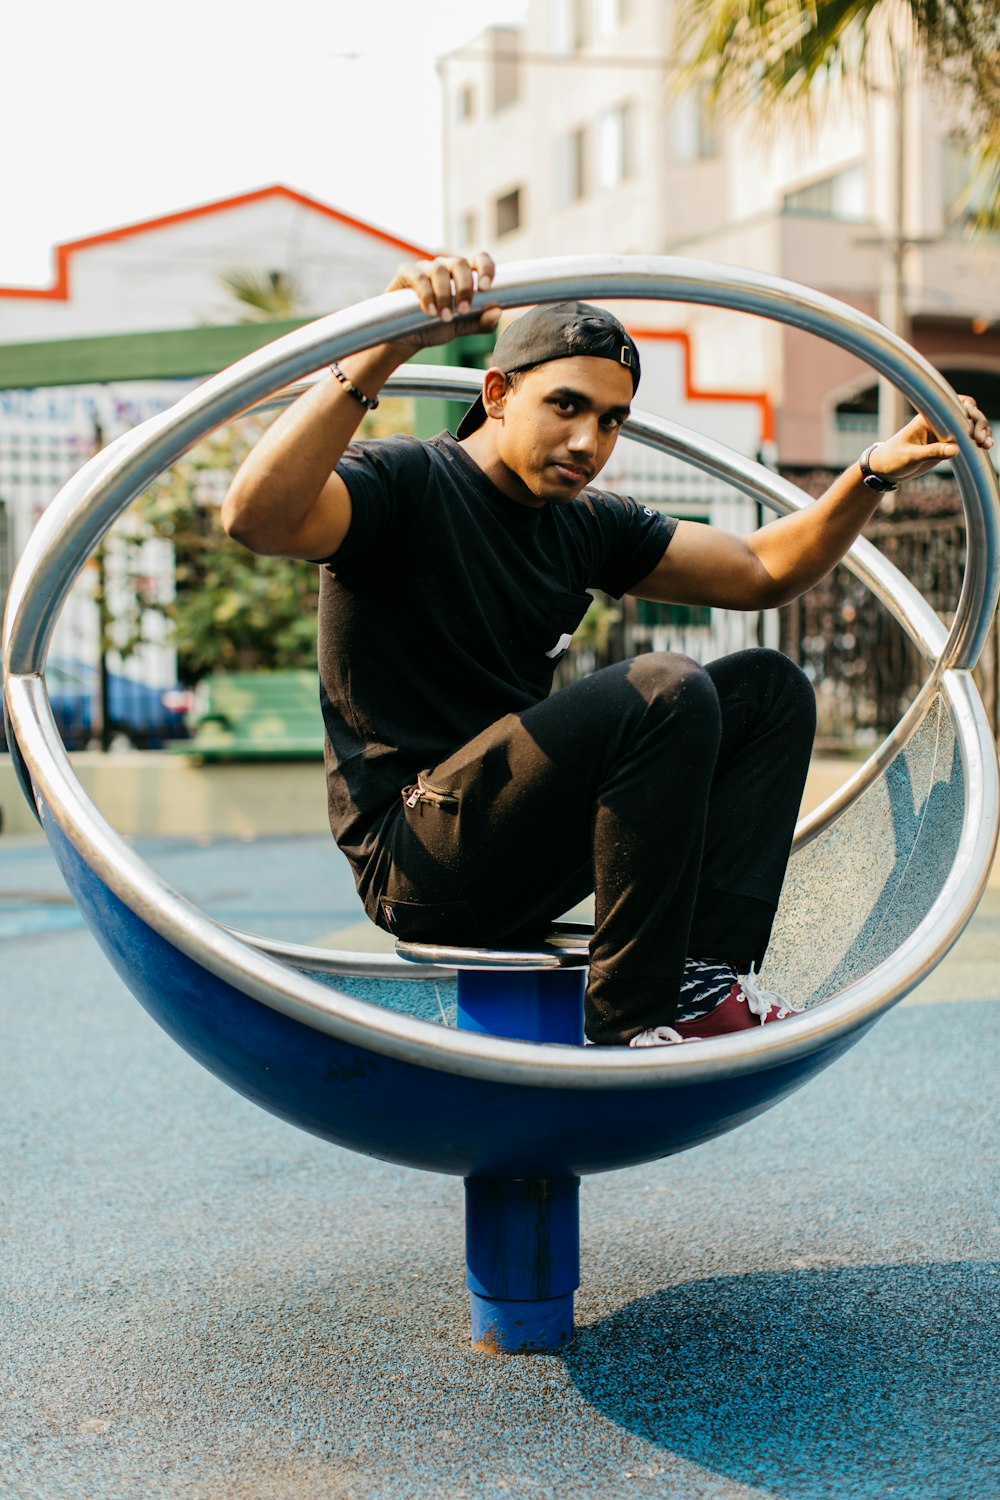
pixel 445 287
pixel 287 497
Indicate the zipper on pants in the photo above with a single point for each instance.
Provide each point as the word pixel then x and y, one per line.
pixel 422 791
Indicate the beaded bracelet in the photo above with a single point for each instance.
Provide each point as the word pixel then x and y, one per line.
pixel 369 403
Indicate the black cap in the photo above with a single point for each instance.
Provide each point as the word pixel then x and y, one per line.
pixel 560 330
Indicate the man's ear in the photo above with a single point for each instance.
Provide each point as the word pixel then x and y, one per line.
pixel 495 388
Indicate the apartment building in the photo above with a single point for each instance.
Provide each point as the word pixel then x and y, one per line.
pixel 563 136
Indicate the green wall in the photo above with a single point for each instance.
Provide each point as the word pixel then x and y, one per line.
pixel 186 353
pixel 172 353
pixel 472 353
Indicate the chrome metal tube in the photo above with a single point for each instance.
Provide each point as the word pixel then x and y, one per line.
pixel 88 505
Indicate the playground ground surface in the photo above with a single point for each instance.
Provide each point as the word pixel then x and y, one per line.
pixel 198 1302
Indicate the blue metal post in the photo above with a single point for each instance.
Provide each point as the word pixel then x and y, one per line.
pixel 522 1235
pixel 534 1005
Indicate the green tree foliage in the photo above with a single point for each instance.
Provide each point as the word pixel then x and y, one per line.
pixel 767 55
pixel 231 610
pixel 597 626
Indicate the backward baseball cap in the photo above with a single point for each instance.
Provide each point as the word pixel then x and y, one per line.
pixel 560 330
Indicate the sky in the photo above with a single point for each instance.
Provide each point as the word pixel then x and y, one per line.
pixel 113 112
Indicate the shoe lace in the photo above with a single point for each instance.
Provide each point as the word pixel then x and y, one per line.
pixel 760 1001
pixel 655 1036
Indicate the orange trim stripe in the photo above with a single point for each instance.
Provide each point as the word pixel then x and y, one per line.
pixel 59 290
pixel 692 392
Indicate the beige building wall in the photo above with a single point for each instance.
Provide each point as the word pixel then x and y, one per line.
pixel 526 143
pixel 815 206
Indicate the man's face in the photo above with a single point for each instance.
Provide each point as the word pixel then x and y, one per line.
pixel 559 423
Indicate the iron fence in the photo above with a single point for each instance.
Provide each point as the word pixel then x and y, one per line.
pixel 865 670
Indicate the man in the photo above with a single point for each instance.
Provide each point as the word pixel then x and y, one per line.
pixel 473 807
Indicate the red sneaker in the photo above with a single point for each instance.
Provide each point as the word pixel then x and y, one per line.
pixel 745 1007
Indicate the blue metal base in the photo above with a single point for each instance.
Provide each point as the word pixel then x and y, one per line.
pixel 522 1234
pixel 413 1112
pixel 533 1326
pixel 534 1005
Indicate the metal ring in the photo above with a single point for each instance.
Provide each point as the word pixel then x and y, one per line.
pixel 571 953
pixel 88 505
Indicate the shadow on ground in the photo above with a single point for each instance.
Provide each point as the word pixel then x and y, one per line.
pixel 862 1381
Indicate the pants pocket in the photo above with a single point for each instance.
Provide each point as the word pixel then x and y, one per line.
pixel 430 921
pixel 423 794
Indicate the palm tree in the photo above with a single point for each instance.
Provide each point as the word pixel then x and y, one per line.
pixel 263 295
pixel 768 54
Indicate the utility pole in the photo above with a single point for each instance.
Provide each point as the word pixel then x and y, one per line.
pixel 893 407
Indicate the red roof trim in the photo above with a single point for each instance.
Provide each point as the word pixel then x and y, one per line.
pixel 757 398
pixel 59 290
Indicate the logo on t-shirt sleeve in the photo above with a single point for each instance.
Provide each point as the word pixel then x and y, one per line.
pixel 561 646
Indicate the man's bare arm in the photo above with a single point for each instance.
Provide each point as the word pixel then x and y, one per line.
pixel 703 565
pixel 286 498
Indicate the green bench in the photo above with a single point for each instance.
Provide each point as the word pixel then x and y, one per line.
pixel 256 716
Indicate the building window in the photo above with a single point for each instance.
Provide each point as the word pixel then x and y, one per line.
pixel 571 179
pixel 855 424
pixel 465 103
pixel 840 196
pixel 571 26
pixel 616 146
pixel 984 384
pixel 509 212
pixel 505 87
pixel 693 125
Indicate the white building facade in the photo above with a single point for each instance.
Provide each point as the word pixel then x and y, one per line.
pixel 132 319
pixel 563 136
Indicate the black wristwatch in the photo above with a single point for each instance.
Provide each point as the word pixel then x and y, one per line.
pixel 874 481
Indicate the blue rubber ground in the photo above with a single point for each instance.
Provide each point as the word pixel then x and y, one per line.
pixel 197 1301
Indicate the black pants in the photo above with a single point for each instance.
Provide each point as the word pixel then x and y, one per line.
pixel 668 789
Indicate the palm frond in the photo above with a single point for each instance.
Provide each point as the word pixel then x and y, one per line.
pixel 765 52
pixel 263 295
pixel 766 57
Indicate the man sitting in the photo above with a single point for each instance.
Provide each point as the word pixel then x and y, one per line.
pixel 474 807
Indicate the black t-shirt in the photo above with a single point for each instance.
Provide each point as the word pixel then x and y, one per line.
pixel 447 606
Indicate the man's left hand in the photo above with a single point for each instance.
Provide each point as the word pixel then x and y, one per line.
pixel 917 447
